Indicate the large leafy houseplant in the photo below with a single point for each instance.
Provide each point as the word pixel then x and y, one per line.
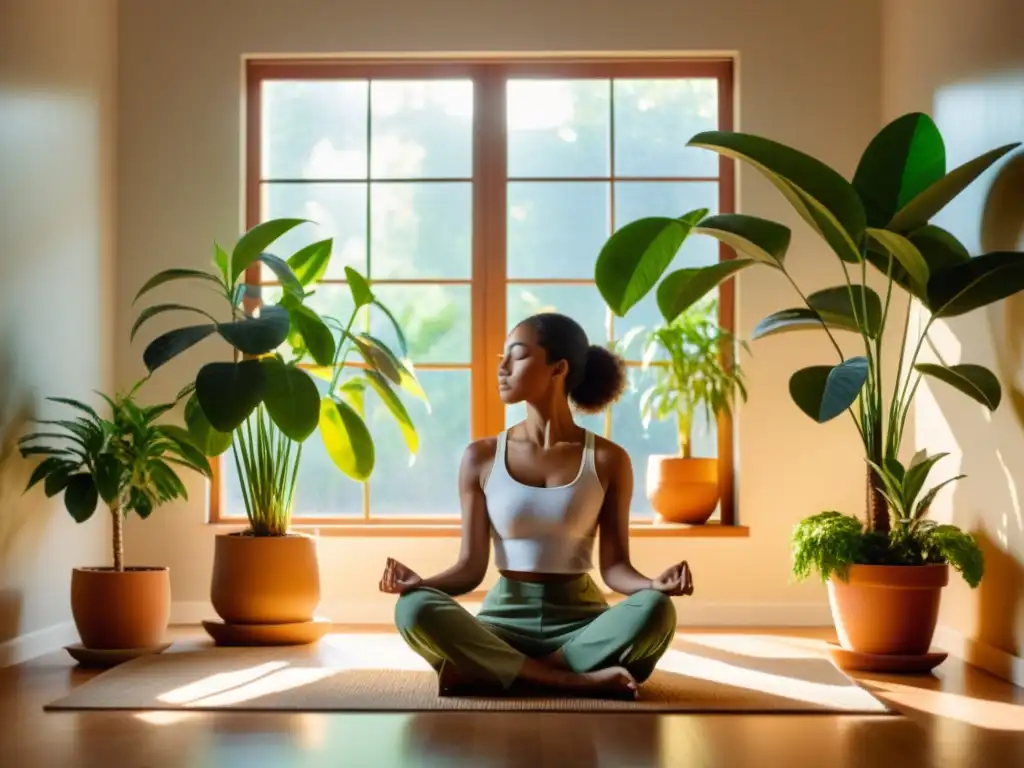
pixel 125 461
pixel 880 221
pixel 267 403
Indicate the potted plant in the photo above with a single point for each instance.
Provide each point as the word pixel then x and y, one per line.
pixel 879 220
pixel 125 461
pixel 266 404
pixel 692 379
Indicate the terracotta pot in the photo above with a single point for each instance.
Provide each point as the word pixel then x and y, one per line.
pixel 683 490
pixel 265 579
pixel 121 610
pixel 888 609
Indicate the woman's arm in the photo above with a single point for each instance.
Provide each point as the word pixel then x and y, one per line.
pixel 616 570
pixel 469 570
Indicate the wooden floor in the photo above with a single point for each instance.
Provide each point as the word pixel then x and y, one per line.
pixel 959 717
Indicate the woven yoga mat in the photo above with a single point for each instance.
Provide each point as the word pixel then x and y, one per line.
pixel 362 672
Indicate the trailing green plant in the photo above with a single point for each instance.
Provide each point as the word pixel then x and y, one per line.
pixel 882 219
pixel 830 542
pixel 693 377
pixel 265 405
pixel 124 460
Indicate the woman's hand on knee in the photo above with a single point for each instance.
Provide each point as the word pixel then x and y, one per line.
pixel 398 578
pixel 677 580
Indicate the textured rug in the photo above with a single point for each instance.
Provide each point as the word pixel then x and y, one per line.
pixel 363 672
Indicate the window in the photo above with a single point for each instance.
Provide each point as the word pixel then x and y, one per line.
pixel 473 194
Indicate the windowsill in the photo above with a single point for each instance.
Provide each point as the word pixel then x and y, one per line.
pixel 379 528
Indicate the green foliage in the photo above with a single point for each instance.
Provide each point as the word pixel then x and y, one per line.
pixel 881 219
pixel 694 376
pixel 264 401
pixel 829 541
pixel 124 460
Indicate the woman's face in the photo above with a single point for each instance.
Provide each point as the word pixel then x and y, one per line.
pixel 524 374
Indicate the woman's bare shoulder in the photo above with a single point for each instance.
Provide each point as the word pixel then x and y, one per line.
pixel 477 460
pixel 611 458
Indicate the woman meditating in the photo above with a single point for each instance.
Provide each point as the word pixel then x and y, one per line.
pixel 540 492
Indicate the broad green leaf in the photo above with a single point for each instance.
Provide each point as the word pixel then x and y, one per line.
pixel 377 354
pixel 289 282
pixel 929 497
pixel 749 236
pixel 822 197
pixel 346 438
pixel 976 283
pixel 258 335
pixel 45 468
pixel 57 481
pixel 222 261
pixel 316 336
pixel 157 309
pixel 81 497
pixel 825 391
pixel 310 263
pixel 906 157
pixel 634 258
pixel 913 482
pixel 975 381
pixel 141 504
pixel 845 305
pixel 397 409
pixel 165 348
pixel 210 441
pixel 799 319
pixel 683 288
pixel 175 274
pixel 353 392
pixel 77 404
pixel 229 392
pixel 403 348
pixel 939 248
pixel 291 398
pixel 362 295
pixel 411 384
pixel 906 253
pixel 186 447
pixel 255 241
pixel 929 202
pixel 107 474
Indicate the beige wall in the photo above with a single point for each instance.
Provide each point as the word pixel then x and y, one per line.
pixel 808 75
pixel 963 63
pixel 57 120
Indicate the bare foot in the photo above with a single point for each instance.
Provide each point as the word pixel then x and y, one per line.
pixel 615 681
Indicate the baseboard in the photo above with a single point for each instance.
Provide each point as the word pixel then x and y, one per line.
pixel 33 644
pixel 982 655
pixel 689 613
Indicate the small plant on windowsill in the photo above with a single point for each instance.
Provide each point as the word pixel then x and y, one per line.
pixel 692 378
pixel 265 405
pixel 125 461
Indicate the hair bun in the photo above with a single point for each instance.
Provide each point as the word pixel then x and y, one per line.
pixel 603 382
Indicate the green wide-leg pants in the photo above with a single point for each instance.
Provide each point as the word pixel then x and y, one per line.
pixel 522 619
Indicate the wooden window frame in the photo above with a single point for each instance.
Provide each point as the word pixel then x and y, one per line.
pixel 488 282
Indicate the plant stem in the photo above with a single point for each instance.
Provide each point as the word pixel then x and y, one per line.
pixel 831 338
pixel 118 534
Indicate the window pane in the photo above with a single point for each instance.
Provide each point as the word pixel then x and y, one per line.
pixel 637 199
pixel 556 229
pixel 435 320
pixel 659 437
pixel 429 487
pixel 338 210
pixel 582 303
pixel 421 230
pixel 421 129
pixel 558 128
pixel 314 129
pixel 653 121
pixel 322 490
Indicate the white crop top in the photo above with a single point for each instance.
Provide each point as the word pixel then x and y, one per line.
pixel 544 530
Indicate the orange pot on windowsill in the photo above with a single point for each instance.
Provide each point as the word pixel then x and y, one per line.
pixel 683 491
